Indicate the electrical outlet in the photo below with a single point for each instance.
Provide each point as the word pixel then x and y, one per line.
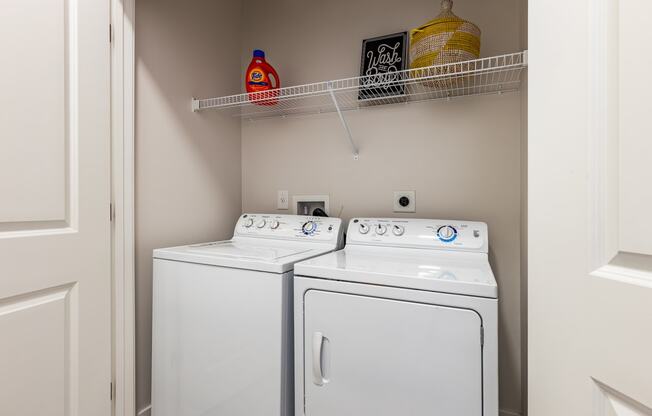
pixel 405 201
pixel 282 200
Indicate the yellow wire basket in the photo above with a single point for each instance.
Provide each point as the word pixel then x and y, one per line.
pixel 444 40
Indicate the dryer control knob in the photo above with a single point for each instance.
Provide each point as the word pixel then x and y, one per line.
pixel 261 223
pixel 398 230
pixel 274 225
pixel 363 228
pixel 309 227
pixel 248 222
pixel 447 233
pixel 381 229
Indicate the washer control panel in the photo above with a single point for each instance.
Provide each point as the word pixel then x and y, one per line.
pixel 419 233
pixel 289 227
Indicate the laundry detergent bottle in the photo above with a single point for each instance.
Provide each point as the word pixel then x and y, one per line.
pixel 262 81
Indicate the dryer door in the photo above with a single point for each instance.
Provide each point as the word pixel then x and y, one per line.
pixel 368 356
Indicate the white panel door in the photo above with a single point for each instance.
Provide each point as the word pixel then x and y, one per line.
pixel 55 287
pixel 590 208
pixel 368 356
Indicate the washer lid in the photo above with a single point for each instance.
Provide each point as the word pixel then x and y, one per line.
pixel 245 250
pixel 253 254
pixel 448 272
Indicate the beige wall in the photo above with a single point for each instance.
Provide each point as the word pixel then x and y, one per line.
pixel 187 165
pixel 462 157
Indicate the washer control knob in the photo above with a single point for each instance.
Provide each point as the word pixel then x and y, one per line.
pixel 398 230
pixel 447 233
pixel 363 228
pixel 274 224
pixel 248 222
pixel 309 227
pixel 261 223
pixel 381 229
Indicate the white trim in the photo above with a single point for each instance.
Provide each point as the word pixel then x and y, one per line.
pixel 122 166
pixel 504 412
pixel 624 275
pixel 145 411
pixel 608 401
pixel 603 160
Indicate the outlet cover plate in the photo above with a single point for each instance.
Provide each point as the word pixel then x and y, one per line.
pixel 411 195
pixel 282 200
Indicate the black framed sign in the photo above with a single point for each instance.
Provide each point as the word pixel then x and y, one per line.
pixel 382 58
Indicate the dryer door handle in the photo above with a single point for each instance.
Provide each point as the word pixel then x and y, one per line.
pixel 317 344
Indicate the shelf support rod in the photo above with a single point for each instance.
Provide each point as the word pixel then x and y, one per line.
pixel 356 155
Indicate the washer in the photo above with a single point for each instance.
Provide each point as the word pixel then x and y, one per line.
pixel 222 328
pixel 403 321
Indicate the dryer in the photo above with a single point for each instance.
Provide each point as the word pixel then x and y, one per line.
pixel 222 317
pixel 402 321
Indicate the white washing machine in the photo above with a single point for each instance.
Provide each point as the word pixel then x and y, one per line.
pixel 222 318
pixel 402 321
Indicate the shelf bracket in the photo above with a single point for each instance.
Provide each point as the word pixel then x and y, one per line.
pixel 356 155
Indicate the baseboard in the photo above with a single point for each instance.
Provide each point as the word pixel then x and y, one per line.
pixel 145 411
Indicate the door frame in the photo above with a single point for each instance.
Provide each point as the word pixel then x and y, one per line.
pixel 122 38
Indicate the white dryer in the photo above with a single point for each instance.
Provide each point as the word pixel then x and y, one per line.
pixel 403 321
pixel 222 317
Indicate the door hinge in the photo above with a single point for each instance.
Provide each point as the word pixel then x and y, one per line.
pixel 482 336
pixel 111 212
pixel 111 391
pixel 110 33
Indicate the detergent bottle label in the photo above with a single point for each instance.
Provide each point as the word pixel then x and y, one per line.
pixel 258 78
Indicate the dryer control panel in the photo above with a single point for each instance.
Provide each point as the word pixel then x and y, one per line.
pixel 419 233
pixel 290 227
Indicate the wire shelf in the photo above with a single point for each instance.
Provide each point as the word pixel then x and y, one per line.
pixel 497 74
